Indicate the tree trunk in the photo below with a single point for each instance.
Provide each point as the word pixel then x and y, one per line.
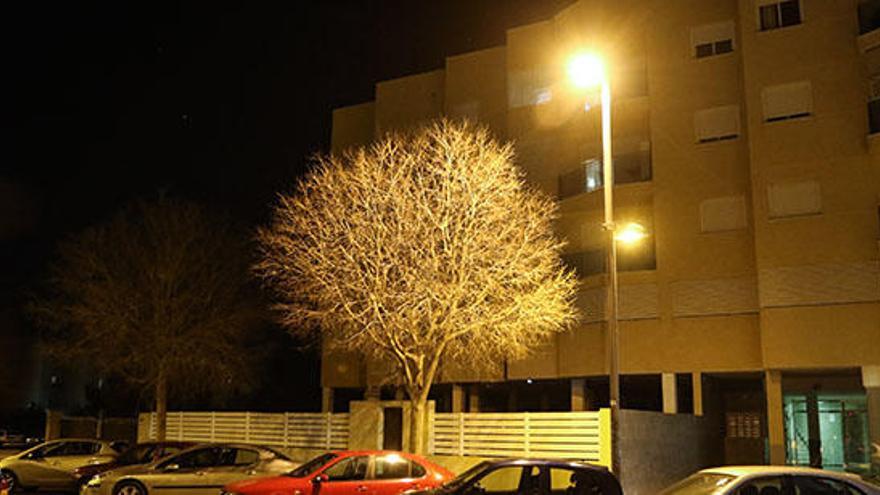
pixel 418 426
pixel 161 406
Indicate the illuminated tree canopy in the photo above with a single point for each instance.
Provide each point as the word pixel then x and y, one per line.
pixel 426 247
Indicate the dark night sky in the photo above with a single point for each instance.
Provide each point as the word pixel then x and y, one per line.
pixel 220 102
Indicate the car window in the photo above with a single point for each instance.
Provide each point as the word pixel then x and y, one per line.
pixel 48 450
pixel 349 469
pixel 394 466
pixel 575 482
pixel 238 457
pixel 501 480
pixel 78 448
pixel 199 458
pixel 770 485
pixel 814 485
pixel 166 450
pixel 312 466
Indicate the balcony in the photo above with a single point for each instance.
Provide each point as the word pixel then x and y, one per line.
pixel 629 167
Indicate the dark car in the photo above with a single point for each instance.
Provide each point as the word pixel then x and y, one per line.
pixel 141 453
pixel 532 477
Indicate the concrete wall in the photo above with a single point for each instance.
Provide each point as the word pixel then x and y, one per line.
pixel 658 449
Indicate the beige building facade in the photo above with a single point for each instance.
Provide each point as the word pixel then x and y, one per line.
pixel 746 141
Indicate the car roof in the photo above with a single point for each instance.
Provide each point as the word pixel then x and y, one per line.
pixel 561 463
pixel 739 471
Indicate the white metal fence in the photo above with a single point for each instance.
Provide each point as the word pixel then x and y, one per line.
pixel 297 430
pixel 575 435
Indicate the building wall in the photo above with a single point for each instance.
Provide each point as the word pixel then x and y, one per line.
pixel 754 290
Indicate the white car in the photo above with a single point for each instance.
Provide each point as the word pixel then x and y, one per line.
pixel 771 480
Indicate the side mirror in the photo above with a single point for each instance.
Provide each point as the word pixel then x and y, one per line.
pixel 171 467
pixel 321 478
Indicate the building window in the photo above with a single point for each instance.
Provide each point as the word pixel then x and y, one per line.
pixel 717 124
pixel 775 15
pixel 793 199
pixel 529 87
pixel 712 39
pixel 787 101
pixel 585 263
pixel 869 16
pixel 632 164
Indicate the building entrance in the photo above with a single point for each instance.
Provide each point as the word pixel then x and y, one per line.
pixel 838 426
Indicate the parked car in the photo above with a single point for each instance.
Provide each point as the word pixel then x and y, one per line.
pixel 771 480
pixel 200 470
pixel 532 477
pixel 52 465
pixel 141 453
pixel 9 439
pixel 350 472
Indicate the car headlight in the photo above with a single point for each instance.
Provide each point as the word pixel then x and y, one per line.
pixel 94 481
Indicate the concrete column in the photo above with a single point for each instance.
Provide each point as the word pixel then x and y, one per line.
pixel 814 438
pixel 871 382
pixel 578 394
pixel 326 399
pixel 697 386
pixel 458 403
pixel 670 393
pixel 53 424
pixel 473 398
pixel 775 416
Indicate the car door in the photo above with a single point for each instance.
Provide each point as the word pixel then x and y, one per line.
pixel 234 464
pixel 36 468
pixel 187 473
pixel 348 476
pixel 503 480
pixel 394 474
pixel 75 454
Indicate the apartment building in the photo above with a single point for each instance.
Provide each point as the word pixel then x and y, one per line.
pixel 746 140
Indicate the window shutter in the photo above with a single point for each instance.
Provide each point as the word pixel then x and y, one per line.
pixel 785 101
pixel 713 124
pixel 794 199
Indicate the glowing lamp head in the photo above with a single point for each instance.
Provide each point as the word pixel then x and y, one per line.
pixel 631 233
pixel 586 71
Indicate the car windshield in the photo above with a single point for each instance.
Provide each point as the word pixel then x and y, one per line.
pixel 467 475
pixel 278 454
pixel 699 484
pixel 312 466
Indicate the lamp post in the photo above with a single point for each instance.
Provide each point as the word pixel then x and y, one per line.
pixel 587 71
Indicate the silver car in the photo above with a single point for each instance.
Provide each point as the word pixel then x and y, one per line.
pixel 52 465
pixel 200 470
pixel 771 480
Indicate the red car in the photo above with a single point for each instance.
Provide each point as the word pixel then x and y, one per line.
pixel 350 473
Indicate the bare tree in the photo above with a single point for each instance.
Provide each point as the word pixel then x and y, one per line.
pixel 159 296
pixel 424 248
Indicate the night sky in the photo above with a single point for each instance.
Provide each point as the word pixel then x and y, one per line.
pixel 108 101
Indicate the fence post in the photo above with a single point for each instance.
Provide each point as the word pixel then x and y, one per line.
pixel 286 440
pixel 213 426
pixel 180 426
pixel 461 433
pixel 527 433
pixel 605 437
pixel 328 429
pixel 247 426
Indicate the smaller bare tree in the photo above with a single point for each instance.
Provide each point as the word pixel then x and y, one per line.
pixel 424 248
pixel 159 296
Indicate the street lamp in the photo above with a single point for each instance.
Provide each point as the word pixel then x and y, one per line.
pixel 588 71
